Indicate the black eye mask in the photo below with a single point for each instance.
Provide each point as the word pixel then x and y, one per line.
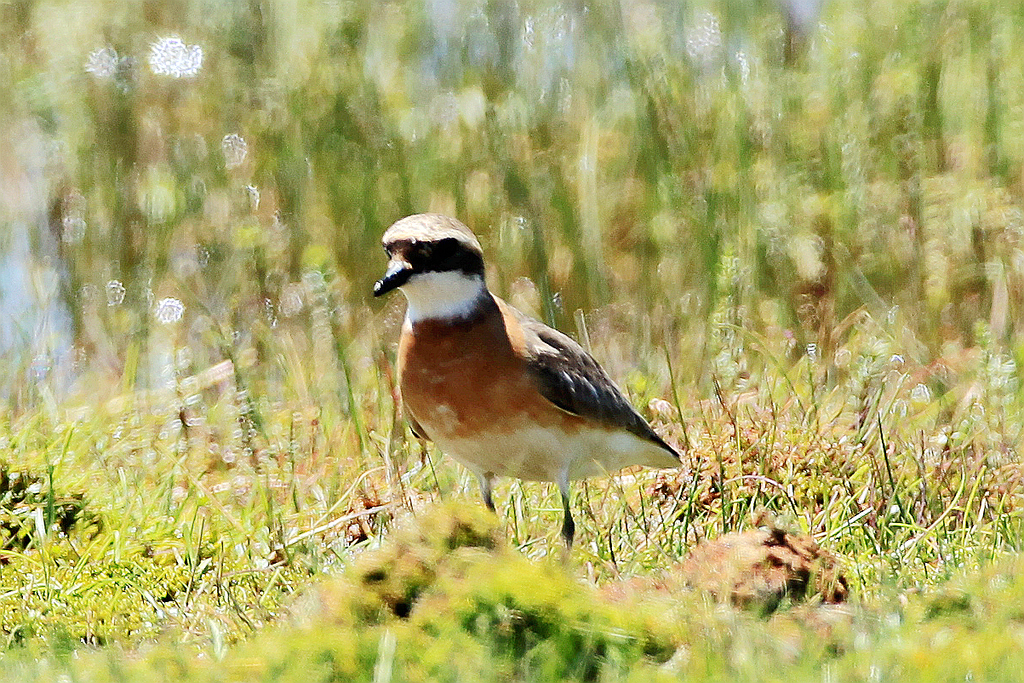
pixel 443 256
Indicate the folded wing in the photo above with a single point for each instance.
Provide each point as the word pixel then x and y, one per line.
pixel 571 379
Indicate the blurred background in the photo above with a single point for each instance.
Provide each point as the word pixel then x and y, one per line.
pixel 699 189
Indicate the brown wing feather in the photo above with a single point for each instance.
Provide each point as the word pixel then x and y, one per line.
pixel 570 378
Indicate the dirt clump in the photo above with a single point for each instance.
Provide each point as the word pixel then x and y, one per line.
pixel 759 569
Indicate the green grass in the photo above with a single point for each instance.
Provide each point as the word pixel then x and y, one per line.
pixel 804 268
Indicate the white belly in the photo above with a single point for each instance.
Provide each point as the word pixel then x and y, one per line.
pixel 535 453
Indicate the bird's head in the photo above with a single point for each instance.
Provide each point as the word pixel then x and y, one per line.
pixel 438 264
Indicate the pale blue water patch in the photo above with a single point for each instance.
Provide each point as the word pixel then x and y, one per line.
pixel 36 329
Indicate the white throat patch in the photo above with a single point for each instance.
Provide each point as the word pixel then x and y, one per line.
pixel 448 295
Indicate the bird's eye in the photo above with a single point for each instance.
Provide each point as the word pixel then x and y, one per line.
pixel 447 247
pixel 424 250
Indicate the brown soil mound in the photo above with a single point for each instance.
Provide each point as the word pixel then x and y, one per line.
pixel 761 568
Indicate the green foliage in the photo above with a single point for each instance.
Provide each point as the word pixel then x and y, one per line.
pixel 489 614
pixel 27 505
pixel 680 156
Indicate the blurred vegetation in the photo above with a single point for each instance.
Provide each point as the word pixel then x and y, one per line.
pixel 613 154
pixel 798 247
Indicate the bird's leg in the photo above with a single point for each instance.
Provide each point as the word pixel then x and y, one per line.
pixel 486 481
pixel 568 526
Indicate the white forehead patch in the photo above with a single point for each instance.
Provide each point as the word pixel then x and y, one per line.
pixel 448 295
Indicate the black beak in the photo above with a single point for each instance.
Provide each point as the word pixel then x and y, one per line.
pixel 396 275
